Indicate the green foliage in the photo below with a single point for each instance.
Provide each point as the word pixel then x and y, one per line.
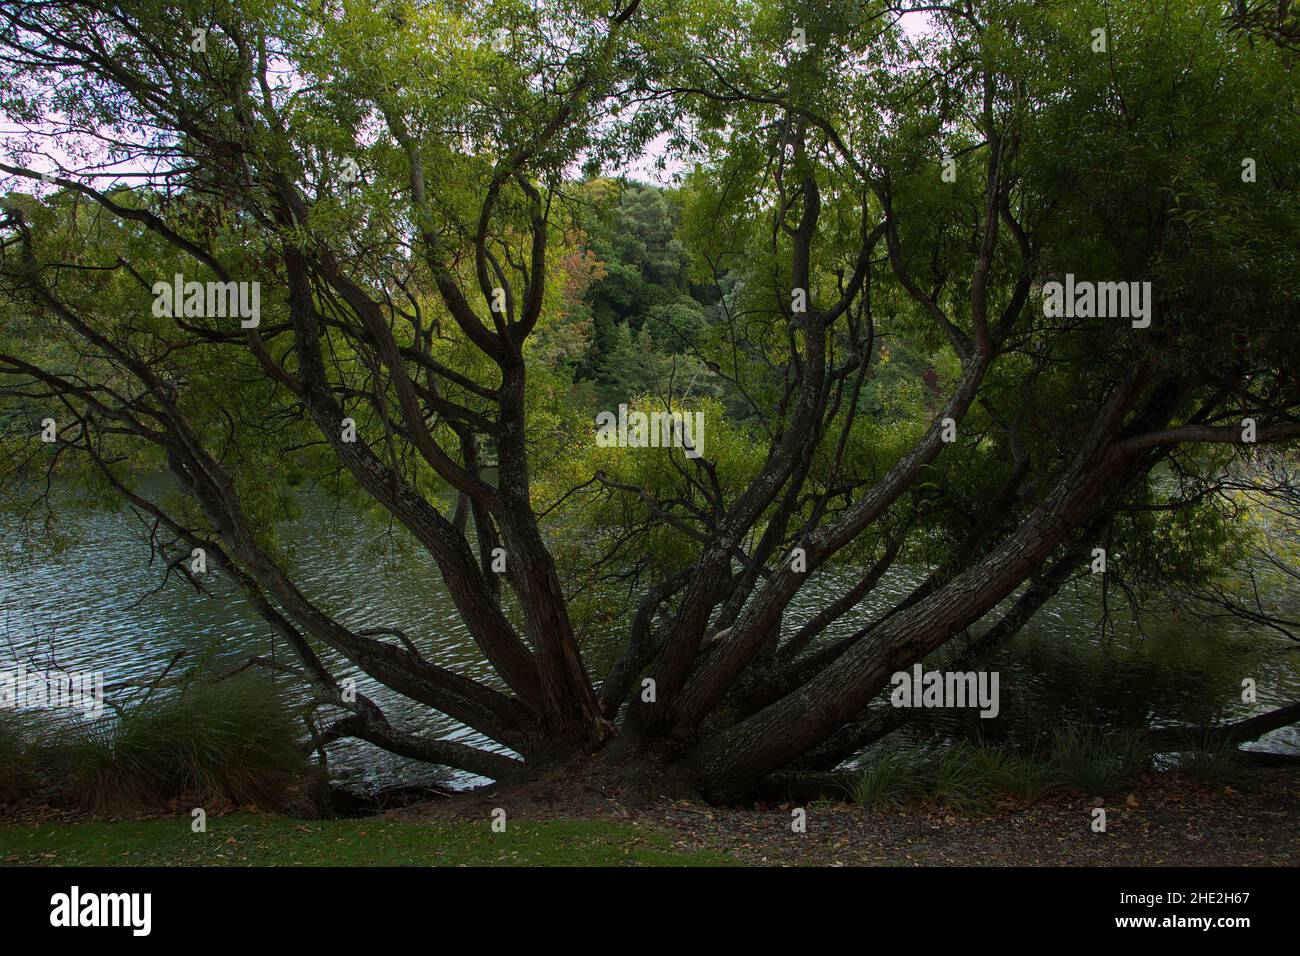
pixel 589 530
pixel 648 318
pixel 230 742
pixel 1216 765
pixel 654 290
pixel 1123 166
pixel 892 779
pixel 17 770
pixel 1079 758
pixel 1023 776
pixel 1097 760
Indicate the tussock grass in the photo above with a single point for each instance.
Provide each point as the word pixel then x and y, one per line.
pixel 892 780
pixel 1214 765
pixel 235 741
pixel 1079 757
pixel 15 767
pixel 1098 760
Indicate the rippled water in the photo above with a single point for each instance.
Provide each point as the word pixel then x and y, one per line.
pixel 1163 670
pixel 97 606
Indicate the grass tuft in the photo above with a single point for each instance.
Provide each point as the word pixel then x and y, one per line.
pixel 964 774
pixel 1098 760
pixel 891 780
pixel 1215 765
pixel 230 742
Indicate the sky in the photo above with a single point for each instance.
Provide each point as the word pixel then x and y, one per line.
pixel 646 169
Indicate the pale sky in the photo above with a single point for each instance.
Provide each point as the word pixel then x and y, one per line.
pixel 643 169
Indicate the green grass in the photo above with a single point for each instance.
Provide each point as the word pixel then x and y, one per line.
pixel 891 780
pixel 964 774
pixel 234 741
pixel 262 840
pixel 15 769
pixel 1098 760
pixel 1215 765
pixel 1019 775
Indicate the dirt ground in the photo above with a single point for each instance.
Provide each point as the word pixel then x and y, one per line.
pixel 1167 820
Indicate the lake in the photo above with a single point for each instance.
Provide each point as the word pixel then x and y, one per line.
pixel 96 606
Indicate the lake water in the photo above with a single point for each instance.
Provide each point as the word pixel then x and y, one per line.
pixel 96 606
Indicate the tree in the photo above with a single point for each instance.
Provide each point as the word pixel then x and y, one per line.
pixel 395 180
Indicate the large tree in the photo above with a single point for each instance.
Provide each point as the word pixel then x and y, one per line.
pixel 400 179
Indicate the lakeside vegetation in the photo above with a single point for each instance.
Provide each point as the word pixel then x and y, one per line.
pixel 1080 758
pixel 448 274
pixel 231 743
pixel 237 743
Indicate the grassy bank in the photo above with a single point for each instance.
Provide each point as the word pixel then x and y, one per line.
pixel 229 743
pixel 1078 759
pixel 260 840
pixel 235 745
pixel 1167 819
